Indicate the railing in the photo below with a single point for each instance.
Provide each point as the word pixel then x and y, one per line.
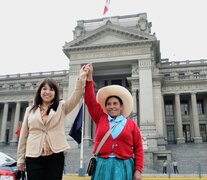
pixel 166 63
pixel 185 77
pixel 35 74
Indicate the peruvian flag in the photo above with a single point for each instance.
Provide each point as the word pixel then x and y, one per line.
pixel 106 8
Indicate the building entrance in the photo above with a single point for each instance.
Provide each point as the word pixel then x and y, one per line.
pixel 170 134
pixel 186 133
pixel 203 132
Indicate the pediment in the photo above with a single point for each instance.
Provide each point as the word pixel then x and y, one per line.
pixel 109 34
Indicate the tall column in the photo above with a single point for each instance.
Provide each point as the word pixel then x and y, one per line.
pixel 197 136
pixel 16 123
pixel 146 93
pixel 191 119
pixel 134 79
pixel 3 125
pixel 205 105
pixel 163 115
pixel 180 138
pixel 158 115
pixel 146 104
pixel 134 96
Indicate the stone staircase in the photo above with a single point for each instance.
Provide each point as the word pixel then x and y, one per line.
pixel 72 159
pixel 190 157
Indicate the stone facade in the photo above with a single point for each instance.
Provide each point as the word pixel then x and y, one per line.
pixel 170 98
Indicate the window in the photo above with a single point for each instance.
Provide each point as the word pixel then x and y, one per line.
pixel 117 81
pixel 200 107
pixel 167 76
pixel 161 157
pixel 184 108
pixel 181 75
pixel 9 118
pixel 196 74
pixel 127 83
pixel 203 132
pixel 106 83
pixel 169 109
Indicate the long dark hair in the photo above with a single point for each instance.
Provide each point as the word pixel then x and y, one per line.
pixel 38 100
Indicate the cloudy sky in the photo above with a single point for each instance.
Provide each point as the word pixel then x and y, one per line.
pixel 32 32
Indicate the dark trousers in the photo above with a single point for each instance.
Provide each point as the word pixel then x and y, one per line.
pixel 175 169
pixel 45 167
pixel 164 170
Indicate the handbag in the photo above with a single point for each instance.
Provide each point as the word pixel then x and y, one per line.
pixel 91 166
pixel 92 162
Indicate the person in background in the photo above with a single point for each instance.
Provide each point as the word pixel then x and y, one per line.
pixel 42 140
pixel 122 156
pixel 175 166
pixel 164 166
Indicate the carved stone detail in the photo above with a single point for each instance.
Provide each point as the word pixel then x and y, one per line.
pixel 143 25
pixel 109 53
pixel 185 88
pixel 135 70
pixel 145 64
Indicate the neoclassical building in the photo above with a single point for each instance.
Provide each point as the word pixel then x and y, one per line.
pixel 170 98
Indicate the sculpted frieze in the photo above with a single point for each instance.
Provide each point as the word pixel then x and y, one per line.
pixel 185 88
pixel 13 98
pixel 109 53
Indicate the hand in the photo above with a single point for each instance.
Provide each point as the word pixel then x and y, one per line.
pixel 137 175
pixel 83 73
pixel 21 167
pixel 89 69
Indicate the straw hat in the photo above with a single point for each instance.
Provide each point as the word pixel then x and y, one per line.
pixel 116 90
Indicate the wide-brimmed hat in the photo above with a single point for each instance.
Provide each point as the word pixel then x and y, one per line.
pixel 116 90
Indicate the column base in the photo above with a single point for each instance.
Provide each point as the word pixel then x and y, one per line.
pixel 180 140
pixel 161 143
pixel 151 144
pixel 198 140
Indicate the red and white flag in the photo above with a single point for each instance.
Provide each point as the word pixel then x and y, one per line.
pixel 18 131
pixel 106 8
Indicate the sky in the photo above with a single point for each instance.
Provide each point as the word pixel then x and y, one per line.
pixel 33 32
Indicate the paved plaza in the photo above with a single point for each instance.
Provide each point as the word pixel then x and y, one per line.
pixel 191 159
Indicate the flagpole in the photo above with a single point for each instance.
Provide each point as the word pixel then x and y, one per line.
pixel 106 9
pixel 81 169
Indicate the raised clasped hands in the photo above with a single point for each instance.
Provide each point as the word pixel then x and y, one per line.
pixel 89 69
pixel 83 73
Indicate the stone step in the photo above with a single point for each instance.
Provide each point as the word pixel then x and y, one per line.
pixel 190 157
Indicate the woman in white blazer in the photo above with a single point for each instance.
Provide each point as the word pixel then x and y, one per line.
pixel 42 139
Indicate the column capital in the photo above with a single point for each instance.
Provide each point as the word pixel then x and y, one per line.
pixel 177 93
